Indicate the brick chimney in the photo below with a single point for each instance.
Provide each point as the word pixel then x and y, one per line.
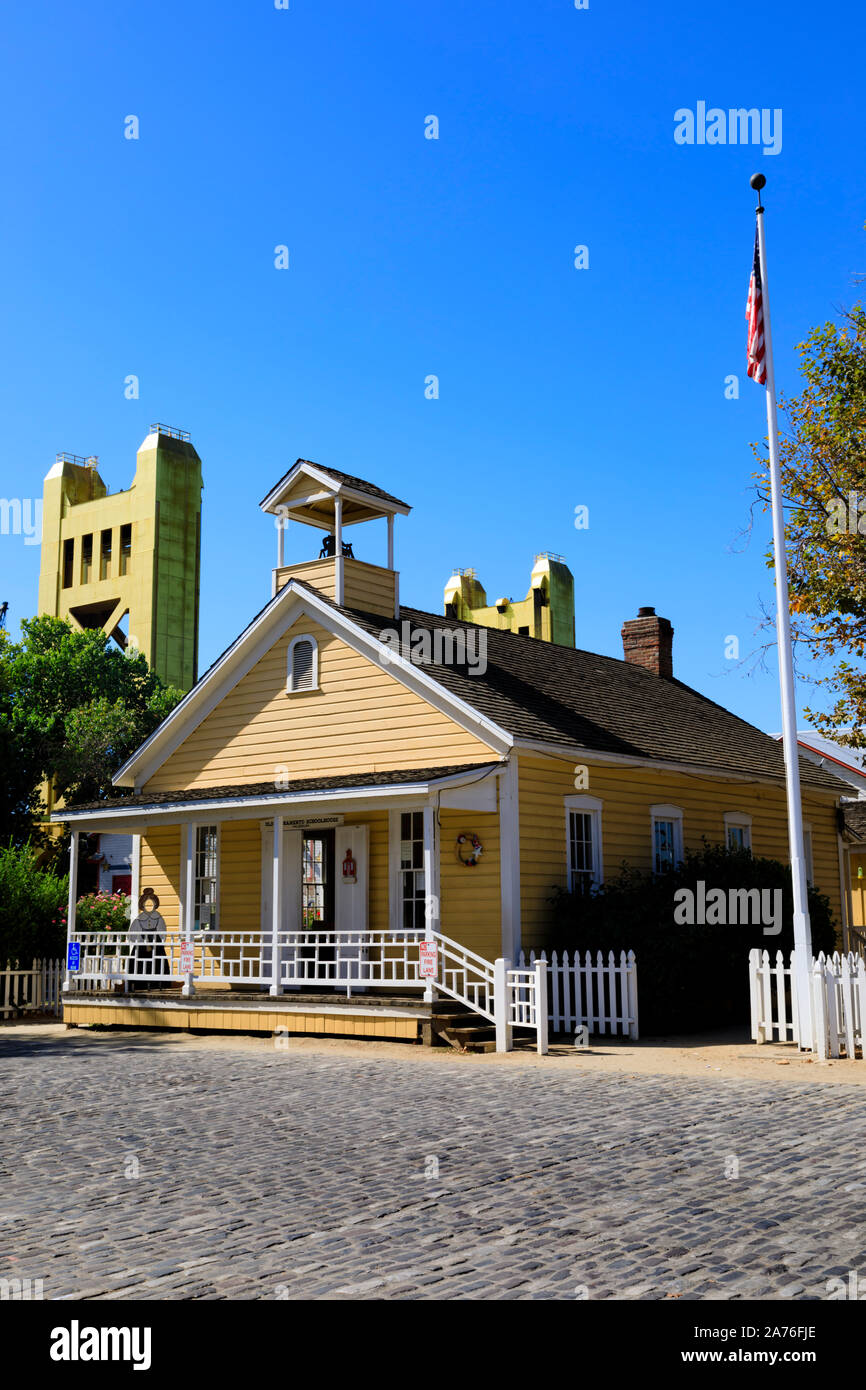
pixel 648 641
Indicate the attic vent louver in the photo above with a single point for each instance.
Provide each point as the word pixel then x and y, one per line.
pixel 302 666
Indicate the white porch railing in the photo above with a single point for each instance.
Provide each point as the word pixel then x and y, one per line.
pixel 327 958
pixel 510 998
pixel 837 1001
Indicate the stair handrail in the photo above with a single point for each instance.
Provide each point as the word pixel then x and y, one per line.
pixel 466 960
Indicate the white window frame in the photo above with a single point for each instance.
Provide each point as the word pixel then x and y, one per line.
pixel 662 811
pixel 196 878
pixel 395 879
pixel 591 806
pixel 743 821
pixel 290 663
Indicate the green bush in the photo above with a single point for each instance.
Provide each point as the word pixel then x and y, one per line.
pixel 690 977
pixel 32 908
pixel 102 912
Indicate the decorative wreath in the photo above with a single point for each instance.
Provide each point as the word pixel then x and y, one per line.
pixel 469 850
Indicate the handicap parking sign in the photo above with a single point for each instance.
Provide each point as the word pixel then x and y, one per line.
pixel 73 955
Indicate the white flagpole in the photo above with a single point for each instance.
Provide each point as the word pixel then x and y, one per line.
pixel 802 929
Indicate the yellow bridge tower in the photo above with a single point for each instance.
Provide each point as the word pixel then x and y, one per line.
pixel 129 562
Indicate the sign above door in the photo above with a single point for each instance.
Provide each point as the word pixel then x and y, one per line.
pixel 309 822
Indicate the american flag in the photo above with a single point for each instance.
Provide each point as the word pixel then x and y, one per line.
pixel 757 368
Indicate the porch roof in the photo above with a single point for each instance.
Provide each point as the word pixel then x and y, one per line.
pixel 265 796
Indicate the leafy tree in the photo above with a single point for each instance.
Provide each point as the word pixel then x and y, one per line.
pixel 73 707
pixel 823 467
pixel 32 908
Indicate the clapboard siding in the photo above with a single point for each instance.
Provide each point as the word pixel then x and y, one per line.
pixel 319 573
pixel 240 882
pixel 627 794
pixel 360 720
pixel 369 588
pixel 378 840
pixel 160 869
pixel 470 897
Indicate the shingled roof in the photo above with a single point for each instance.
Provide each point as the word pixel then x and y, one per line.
pixel 258 791
pixel 540 691
pixel 359 484
pixel 854 820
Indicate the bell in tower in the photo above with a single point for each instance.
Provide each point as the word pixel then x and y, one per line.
pixel 332 501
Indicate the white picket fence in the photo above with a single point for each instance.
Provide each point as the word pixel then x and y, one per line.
pixel 774 1019
pixel 837 1000
pixel 839 1004
pixel 35 990
pixel 599 995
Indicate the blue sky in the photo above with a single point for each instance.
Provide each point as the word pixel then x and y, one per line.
pixel 411 257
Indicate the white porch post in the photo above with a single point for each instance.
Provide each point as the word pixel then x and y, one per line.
pixel 501 1002
pixel 136 875
pixel 282 523
pixel 431 885
pixel 390 540
pixel 509 859
pixel 70 906
pixel 276 905
pixel 338 547
pixel 541 1006
pixel 188 899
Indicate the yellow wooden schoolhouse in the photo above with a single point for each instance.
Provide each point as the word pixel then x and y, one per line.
pixel 354 821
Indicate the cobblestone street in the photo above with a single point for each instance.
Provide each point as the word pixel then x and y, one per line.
pixel 137 1169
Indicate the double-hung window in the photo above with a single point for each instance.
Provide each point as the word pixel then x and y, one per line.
pixel 667 837
pixel 583 843
pixel 206 877
pixel 738 830
pixel 409 885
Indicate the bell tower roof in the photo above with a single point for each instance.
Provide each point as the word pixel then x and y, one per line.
pixel 309 492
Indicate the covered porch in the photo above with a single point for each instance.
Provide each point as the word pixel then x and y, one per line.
pixel 355 893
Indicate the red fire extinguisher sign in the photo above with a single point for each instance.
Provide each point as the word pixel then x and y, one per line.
pixel 350 871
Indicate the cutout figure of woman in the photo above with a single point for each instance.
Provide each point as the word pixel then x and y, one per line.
pixel 147 933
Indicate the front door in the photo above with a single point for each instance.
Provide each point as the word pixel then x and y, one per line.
pixel 317 901
pixel 325 875
pixel 317 880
